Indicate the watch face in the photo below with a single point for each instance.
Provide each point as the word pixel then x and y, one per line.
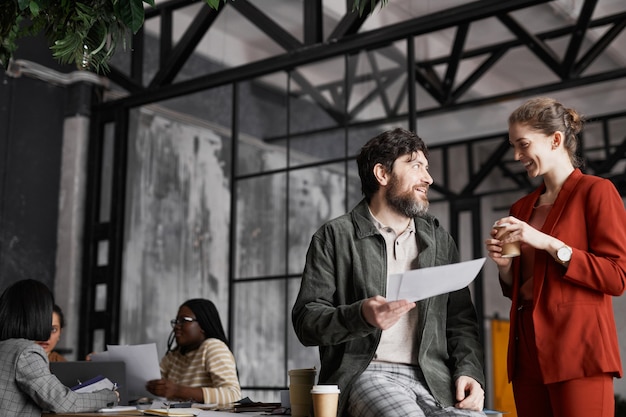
pixel 564 254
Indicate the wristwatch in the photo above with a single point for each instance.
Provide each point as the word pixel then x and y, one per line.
pixel 564 254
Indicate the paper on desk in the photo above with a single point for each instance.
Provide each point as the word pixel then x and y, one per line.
pixel 94 384
pixel 422 283
pixel 142 365
pixel 177 412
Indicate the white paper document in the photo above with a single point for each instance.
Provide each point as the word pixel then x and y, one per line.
pixel 142 365
pixel 422 283
pixel 94 384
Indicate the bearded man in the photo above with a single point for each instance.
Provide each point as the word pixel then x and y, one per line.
pixel 389 358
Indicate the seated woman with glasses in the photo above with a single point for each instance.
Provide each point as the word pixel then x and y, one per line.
pixel 58 322
pixel 201 368
pixel 26 385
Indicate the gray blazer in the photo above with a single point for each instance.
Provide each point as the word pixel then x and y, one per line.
pixel 346 263
pixel 27 387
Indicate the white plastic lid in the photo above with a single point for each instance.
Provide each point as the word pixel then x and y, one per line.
pixel 325 389
pixel 500 225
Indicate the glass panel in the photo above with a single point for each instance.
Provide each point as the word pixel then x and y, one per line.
pixel 177 213
pixel 316 148
pixel 261 221
pixel 298 355
pixel 103 252
pixel 316 195
pixel 617 126
pixel 359 136
pixel 262 124
pixel 378 83
pixel 260 317
pixel 354 185
pixel 316 96
pixel 101 297
pixel 99 344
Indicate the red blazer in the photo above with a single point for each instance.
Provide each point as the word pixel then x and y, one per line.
pixel 573 312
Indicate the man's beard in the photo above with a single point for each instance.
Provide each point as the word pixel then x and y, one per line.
pixel 407 203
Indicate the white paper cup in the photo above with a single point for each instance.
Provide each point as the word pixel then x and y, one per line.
pixel 325 400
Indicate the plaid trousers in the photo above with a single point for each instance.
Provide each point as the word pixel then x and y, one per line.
pixel 396 390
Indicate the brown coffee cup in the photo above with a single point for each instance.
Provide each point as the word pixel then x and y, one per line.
pixel 300 383
pixel 511 249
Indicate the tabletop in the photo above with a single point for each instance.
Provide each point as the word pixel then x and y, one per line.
pixel 203 413
pixel 95 414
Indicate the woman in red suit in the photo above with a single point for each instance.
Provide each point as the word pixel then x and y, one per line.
pixel 563 345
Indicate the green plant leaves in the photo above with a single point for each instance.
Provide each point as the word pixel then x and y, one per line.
pixel 84 32
pixel 90 35
pixel 23 4
pixel 131 13
pixel 360 5
pixel 214 4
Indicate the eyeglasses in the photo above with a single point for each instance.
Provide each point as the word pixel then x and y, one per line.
pixel 181 321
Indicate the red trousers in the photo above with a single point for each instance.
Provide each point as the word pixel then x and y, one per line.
pixel 582 397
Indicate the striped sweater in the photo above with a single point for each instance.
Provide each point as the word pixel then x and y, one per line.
pixel 211 366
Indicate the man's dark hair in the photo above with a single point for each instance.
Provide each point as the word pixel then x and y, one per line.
pixel 384 149
pixel 26 311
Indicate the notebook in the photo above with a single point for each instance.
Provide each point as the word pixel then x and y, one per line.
pixel 74 372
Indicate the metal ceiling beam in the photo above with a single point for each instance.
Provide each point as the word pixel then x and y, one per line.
pixel 313 20
pixel 363 41
pixel 599 47
pixel 351 21
pixel 166 41
pixel 380 88
pixel 607 164
pixel 442 90
pixel 532 91
pixel 477 74
pixel 311 91
pixel 136 59
pixel 185 47
pixel 266 25
pixel 536 45
pixel 475 179
pixel 429 80
pixel 455 59
pixel 376 92
pixel 171 5
pixel 469 104
pixel 578 35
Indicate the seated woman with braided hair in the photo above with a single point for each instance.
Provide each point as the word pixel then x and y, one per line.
pixel 201 367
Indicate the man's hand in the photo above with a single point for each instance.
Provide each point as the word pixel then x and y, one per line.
pixel 469 394
pixel 382 314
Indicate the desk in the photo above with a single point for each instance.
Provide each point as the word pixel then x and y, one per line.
pixel 139 413
pixel 118 414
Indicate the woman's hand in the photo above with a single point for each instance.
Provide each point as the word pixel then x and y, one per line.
pixel 494 251
pixel 519 231
pixel 163 388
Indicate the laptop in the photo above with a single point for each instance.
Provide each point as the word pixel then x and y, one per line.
pixel 73 372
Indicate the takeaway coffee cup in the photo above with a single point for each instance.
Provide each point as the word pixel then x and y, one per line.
pixel 509 250
pixel 301 382
pixel 325 400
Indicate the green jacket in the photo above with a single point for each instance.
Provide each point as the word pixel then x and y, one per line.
pixel 346 264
